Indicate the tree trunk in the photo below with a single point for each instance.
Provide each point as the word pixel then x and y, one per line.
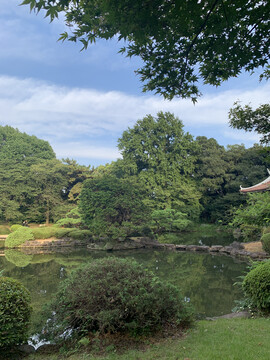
pixel 48 213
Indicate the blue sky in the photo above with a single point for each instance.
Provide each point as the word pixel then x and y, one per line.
pixel 81 102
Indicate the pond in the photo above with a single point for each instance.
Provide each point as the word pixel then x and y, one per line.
pixel 205 280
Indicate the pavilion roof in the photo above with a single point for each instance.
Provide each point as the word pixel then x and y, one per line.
pixel 262 186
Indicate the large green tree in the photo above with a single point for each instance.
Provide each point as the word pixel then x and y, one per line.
pixel 18 152
pixel 162 156
pixel 220 172
pixel 179 41
pixel 113 206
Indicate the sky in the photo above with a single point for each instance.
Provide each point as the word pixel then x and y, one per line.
pixel 81 102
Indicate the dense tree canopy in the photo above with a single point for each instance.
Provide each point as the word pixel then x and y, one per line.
pixel 162 156
pixel 113 206
pixel 179 41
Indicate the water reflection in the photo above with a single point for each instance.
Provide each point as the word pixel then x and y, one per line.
pixel 206 280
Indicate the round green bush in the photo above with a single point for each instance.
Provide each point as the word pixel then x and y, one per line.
pixel 15 311
pixel 110 295
pixel 256 286
pixel 19 237
pixel 265 239
pixel 15 227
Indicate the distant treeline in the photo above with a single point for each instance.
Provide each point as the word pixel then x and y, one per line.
pixel 164 173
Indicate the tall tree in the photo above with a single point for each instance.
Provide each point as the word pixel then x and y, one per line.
pixel 113 206
pixel 49 182
pixel 162 156
pixel 179 41
pixel 18 152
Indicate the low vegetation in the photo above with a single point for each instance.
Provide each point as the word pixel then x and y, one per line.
pixel 116 295
pixel 265 239
pixel 15 311
pixel 19 237
pixel 232 339
pixel 256 286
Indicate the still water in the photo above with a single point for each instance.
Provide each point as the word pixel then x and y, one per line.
pixel 205 280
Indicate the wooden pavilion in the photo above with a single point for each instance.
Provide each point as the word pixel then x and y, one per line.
pixel 262 186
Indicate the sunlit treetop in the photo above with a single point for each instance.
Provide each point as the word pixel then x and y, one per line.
pixel 181 42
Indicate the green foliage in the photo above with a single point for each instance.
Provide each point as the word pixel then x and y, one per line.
pixel 15 311
pixel 111 206
pixel 265 239
pixel 72 219
pixel 54 231
pixel 15 227
pixel 18 258
pixel 111 295
pixel 256 286
pixel 168 220
pixel 252 120
pixel 180 43
pixel 162 156
pixel 78 234
pixel 255 215
pixel 4 230
pixel 220 172
pixel 19 237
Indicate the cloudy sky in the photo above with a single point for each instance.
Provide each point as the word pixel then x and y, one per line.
pixel 81 102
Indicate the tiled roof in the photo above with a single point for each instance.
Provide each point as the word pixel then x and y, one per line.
pixel 262 186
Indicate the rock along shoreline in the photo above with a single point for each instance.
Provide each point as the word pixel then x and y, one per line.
pixel 236 249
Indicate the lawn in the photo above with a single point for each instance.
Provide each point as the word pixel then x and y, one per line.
pixel 223 339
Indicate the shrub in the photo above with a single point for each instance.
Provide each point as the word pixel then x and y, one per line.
pixel 80 234
pixel 19 237
pixel 265 239
pixel 266 230
pixel 110 295
pixel 15 227
pixel 72 219
pixel 43 232
pixel 15 312
pixel 256 286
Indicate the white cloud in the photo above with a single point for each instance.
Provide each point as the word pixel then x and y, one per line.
pixel 65 116
pixel 84 151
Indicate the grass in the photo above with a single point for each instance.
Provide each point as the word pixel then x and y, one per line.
pixel 223 339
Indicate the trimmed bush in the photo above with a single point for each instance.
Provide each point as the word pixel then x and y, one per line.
pixel 256 286
pixel 80 234
pixel 15 311
pixel 110 295
pixel 265 239
pixel 43 232
pixel 15 227
pixel 19 237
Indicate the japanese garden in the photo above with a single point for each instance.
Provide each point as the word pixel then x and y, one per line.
pixel 163 253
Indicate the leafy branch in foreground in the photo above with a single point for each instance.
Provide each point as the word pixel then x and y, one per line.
pixel 180 42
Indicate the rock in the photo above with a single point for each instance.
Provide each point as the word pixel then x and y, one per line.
pixel 202 248
pixel 237 315
pixel 215 248
pixel 237 245
pixel 180 247
pixel 226 249
pixel 47 348
pixel 197 248
pixel 26 349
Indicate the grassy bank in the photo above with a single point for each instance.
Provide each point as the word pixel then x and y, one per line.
pixel 224 339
